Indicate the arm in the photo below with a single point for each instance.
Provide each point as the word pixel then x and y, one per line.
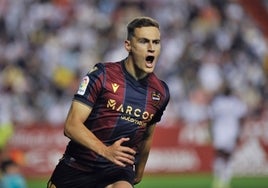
pixel 145 149
pixel 75 129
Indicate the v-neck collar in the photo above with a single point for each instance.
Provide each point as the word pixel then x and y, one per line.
pixel 142 81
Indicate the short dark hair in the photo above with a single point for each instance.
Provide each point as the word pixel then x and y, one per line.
pixel 7 163
pixel 140 22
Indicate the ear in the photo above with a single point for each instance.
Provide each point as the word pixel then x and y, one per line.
pixel 127 45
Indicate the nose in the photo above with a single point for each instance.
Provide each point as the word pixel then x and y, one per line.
pixel 150 47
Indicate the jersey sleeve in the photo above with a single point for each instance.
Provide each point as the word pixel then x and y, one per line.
pixel 91 86
pixel 157 117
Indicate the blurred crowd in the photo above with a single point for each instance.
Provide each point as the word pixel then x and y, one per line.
pixel 46 46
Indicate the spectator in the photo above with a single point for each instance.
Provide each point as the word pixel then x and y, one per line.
pixel 41 41
pixel 11 175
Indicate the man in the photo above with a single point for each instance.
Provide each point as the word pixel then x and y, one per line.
pixel 228 112
pixel 112 117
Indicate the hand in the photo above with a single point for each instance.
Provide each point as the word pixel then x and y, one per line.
pixel 120 155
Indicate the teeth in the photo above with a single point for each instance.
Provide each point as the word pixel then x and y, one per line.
pixel 150 58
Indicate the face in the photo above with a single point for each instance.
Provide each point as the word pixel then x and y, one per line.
pixel 145 48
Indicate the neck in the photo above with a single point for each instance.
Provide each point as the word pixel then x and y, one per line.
pixel 133 70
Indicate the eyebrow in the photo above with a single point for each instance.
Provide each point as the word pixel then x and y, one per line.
pixel 146 39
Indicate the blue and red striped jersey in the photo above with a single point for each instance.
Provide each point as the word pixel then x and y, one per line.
pixel 121 107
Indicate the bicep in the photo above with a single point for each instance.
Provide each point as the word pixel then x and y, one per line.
pixel 77 115
pixel 79 111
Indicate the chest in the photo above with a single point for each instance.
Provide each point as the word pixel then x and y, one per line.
pixel 130 99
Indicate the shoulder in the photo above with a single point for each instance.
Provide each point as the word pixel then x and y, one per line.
pixel 159 88
pixel 110 65
pixel 104 67
pixel 158 84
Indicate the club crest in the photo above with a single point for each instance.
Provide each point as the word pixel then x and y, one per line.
pixel 156 97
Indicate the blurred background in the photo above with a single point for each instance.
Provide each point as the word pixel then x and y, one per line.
pixel 46 46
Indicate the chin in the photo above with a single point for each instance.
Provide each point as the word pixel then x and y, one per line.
pixel 149 70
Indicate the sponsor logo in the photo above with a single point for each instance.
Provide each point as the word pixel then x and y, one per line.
pixel 130 113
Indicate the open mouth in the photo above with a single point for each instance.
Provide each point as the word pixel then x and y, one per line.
pixel 150 59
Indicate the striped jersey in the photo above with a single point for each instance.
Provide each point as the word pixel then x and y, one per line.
pixel 121 107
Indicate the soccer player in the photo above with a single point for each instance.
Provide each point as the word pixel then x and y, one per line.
pixel 227 114
pixel 113 115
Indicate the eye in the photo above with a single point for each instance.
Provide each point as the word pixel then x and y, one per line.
pixel 156 41
pixel 143 41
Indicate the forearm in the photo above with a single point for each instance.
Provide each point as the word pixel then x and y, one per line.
pixel 144 154
pixel 80 134
pixel 139 168
pixel 77 131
